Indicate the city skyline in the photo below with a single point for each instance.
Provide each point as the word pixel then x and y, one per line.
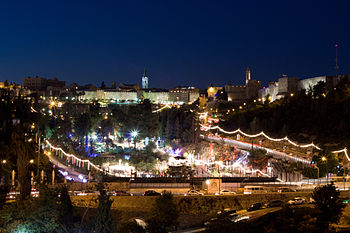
pixel 177 43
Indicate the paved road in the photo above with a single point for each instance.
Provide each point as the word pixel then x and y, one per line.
pixel 71 172
pixel 252 215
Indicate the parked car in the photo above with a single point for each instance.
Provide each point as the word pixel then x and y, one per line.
pixel 275 203
pixel 225 192
pixel 80 193
pixel 34 192
pixel 119 193
pixel 12 195
pixel 255 206
pixel 193 193
pixel 285 190
pixel 297 201
pixel 151 193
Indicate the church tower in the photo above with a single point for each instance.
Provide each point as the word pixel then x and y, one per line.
pixel 247 76
pixel 144 80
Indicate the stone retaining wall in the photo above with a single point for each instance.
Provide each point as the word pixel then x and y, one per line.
pixel 191 204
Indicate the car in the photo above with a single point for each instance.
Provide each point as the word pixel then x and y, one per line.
pixel 234 217
pixel 226 211
pixel 193 193
pixel 255 206
pixel 212 220
pixel 151 193
pixel 34 192
pixel 238 218
pixel 12 195
pixel 119 193
pixel 225 192
pixel 297 201
pixel 80 193
pixel 249 189
pixel 285 190
pixel 275 203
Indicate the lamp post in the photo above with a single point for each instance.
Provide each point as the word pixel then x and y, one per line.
pixel 134 134
pixel 324 159
pixel 318 173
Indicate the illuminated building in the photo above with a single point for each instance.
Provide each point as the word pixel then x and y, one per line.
pixel 241 93
pixel 287 86
pixel 212 91
pixel 144 80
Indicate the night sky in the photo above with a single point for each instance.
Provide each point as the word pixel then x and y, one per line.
pixel 179 42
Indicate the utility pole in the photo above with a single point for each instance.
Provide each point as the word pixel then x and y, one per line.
pixel 38 162
pixel 336 60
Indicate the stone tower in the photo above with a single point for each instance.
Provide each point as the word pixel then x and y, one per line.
pixel 247 76
pixel 144 83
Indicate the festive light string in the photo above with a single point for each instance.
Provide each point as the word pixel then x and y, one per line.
pixel 345 150
pixel 75 157
pixel 206 128
pixel 32 109
pixel 259 134
pixel 160 109
pixel 236 164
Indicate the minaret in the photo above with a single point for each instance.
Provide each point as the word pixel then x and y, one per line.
pixel 144 83
pixel 247 76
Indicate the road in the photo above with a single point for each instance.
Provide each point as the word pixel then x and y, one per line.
pixel 244 213
pixel 71 172
pixel 249 146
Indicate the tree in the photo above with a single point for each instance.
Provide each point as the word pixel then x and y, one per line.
pixel 65 209
pixel 22 151
pixel 221 95
pixel 319 90
pixel 328 205
pixel 180 171
pixel 104 222
pixel 258 159
pixel 164 214
pixel 33 216
pixel 82 127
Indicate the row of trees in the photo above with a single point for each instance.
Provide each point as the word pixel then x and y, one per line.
pixel 179 124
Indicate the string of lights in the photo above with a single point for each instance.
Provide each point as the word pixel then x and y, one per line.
pixel 160 109
pixel 236 164
pixel 79 160
pixel 206 128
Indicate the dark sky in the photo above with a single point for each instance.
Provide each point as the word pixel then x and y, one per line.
pixel 179 42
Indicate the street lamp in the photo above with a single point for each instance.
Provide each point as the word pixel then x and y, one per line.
pixel 324 159
pixel 207 182
pixel 134 134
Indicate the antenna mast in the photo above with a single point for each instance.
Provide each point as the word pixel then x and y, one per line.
pixel 336 60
